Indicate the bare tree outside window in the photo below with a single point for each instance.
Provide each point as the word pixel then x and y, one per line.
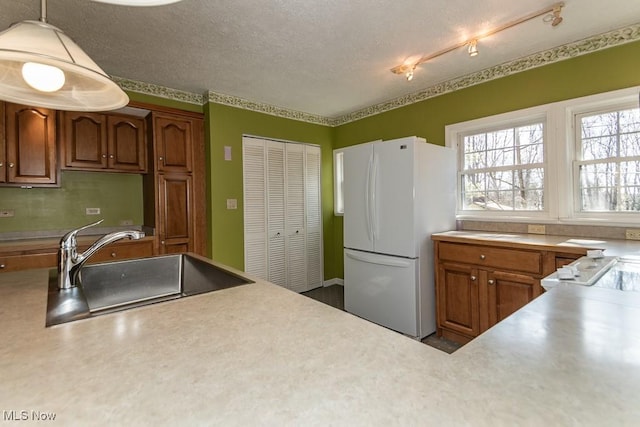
pixel 504 169
pixel 609 163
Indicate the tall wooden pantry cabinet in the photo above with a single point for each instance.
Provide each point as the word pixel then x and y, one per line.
pixel 175 184
pixel 282 213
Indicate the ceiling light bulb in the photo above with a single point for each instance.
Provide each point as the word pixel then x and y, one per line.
pixel 473 48
pixel 45 78
pixel 409 75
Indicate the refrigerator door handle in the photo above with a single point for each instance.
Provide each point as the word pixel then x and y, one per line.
pixel 375 260
pixel 367 199
pixel 374 191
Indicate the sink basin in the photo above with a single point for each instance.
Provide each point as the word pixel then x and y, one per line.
pixel 121 285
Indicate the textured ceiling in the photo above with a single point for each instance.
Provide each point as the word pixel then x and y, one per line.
pixel 326 58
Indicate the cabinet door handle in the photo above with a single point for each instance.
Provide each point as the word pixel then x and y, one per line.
pixel 113 255
pixel 1 265
pixel 11 165
pixel 162 242
pixel 491 282
pixel 111 156
pixel 482 257
pixel 161 158
pixel 473 278
pixel 104 156
pixel 1 164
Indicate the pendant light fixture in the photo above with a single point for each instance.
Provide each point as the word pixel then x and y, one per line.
pixel 41 66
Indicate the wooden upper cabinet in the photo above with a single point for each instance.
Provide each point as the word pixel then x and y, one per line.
pixel 85 137
pixel 95 141
pixel 173 139
pixel 30 139
pixel 3 149
pixel 127 146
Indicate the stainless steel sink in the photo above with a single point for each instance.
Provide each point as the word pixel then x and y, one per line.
pixel 121 285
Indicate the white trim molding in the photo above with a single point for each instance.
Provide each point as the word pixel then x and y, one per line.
pixel 334 281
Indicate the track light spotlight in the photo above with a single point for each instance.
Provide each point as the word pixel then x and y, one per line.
pixel 473 48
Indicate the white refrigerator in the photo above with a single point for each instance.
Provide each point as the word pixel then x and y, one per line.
pixel 396 194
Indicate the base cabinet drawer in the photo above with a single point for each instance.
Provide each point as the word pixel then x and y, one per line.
pixel 114 252
pixel 126 250
pixel 486 256
pixel 25 262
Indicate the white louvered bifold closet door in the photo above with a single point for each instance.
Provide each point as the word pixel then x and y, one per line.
pixel 283 214
pixel 313 218
pixel 296 260
pixel 276 214
pixel 255 212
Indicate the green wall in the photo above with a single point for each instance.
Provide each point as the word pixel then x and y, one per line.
pixel 226 126
pixel 602 71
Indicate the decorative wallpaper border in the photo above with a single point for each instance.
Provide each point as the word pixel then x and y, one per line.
pixel 273 110
pixel 159 91
pixel 560 53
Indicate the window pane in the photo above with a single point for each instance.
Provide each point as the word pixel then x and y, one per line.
pixel 500 139
pixel 630 120
pixel 599 148
pixel 599 125
pixel 630 145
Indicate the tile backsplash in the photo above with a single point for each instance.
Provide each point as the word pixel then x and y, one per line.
pixel 601 232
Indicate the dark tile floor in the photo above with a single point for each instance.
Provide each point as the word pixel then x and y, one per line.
pixel 334 296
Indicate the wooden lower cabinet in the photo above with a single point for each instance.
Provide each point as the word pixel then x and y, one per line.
pixel 479 285
pixel 175 228
pixel 458 299
pixel 47 257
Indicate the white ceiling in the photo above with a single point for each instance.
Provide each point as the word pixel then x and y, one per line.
pixel 326 58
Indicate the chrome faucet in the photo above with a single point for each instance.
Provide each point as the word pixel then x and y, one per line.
pixel 70 261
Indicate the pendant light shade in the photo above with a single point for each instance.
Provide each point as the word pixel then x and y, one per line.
pixel 43 67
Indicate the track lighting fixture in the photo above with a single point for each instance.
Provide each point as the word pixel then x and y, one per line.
pixel 551 15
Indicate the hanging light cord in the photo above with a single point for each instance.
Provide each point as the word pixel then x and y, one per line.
pixel 43 11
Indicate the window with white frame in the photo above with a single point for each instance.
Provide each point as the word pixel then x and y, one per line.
pixel 608 160
pixel 338 182
pixel 574 161
pixel 503 169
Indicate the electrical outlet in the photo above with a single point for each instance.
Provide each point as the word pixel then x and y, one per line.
pixel 92 211
pixel 536 229
pixel 232 203
pixel 6 213
pixel 633 234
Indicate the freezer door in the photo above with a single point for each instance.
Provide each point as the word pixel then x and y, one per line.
pixel 357 167
pixel 382 289
pixel 394 198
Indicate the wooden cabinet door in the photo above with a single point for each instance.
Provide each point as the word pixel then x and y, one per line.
pixel 457 298
pixel 85 140
pixel 31 145
pixel 175 228
pixel 3 152
pixel 508 292
pixel 126 144
pixel 173 141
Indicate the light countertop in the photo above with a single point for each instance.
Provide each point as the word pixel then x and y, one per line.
pixel 261 355
pixel 612 247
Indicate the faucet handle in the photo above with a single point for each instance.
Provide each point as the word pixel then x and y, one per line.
pixel 69 239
